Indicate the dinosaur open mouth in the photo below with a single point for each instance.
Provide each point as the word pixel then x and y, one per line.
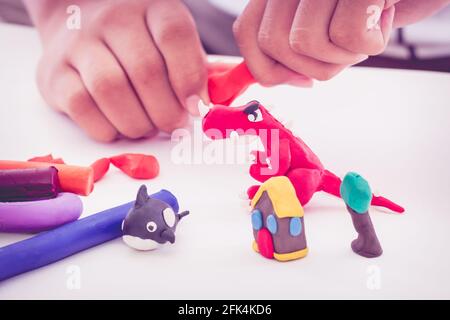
pixel 215 134
pixel 234 135
pixel 265 243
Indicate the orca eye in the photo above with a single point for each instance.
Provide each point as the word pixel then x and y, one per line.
pixel 151 226
pixel 169 217
pixel 255 116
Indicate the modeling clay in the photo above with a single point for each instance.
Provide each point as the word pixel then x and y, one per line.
pixel 47 158
pixel 356 193
pixel 135 165
pixel 277 220
pixel 225 84
pixel 100 167
pixel 138 166
pixel 28 184
pixel 227 81
pixel 79 180
pixel 59 243
pixel 150 222
pixel 284 154
pixel 36 216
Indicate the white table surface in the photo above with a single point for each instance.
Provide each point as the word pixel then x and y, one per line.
pixel 393 127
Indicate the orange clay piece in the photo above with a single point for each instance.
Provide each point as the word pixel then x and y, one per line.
pixel 75 179
pixel 101 166
pixel 136 165
pixel 47 158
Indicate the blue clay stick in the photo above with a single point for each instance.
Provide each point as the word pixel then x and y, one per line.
pixel 59 243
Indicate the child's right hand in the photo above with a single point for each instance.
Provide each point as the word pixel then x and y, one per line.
pixel 319 38
pixel 132 68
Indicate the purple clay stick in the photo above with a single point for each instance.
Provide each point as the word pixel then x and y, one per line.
pixel 356 193
pixel 18 185
pixel 39 215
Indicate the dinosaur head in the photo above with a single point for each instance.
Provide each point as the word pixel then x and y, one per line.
pixel 219 122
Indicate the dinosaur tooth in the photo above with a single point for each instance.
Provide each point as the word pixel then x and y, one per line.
pixel 203 109
pixel 234 135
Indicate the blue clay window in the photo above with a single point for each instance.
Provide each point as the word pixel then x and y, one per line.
pixel 295 226
pixel 271 223
pixel 256 219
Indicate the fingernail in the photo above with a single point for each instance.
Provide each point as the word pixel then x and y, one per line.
pixel 191 104
pixel 204 96
pixel 362 58
pixel 301 81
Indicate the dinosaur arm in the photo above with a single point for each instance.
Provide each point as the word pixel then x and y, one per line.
pixel 284 158
pixel 260 169
pixel 279 160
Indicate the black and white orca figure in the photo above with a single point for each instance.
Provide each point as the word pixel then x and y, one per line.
pixel 150 222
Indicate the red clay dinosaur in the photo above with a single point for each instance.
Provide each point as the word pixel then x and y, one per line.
pixel 293 158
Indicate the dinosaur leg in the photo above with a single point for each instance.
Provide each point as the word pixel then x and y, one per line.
pixel 306 182
pixel 251 191
pixel 259 167
pixel 267 166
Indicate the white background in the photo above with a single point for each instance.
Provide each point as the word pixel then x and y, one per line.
pixel 393 127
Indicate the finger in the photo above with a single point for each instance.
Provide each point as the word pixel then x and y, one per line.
pixel 109 87
pixel 176 37
pixel 273 39
pixel 355 26
pixel 309 33
pixel 266 70
pixel 410 11
pixel 71 97
pixel 387 24
pixel 147 72
pixel 390 3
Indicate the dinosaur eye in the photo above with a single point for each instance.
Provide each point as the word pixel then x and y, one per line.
pixel 169 217
pixel 255 116
pixel 151 226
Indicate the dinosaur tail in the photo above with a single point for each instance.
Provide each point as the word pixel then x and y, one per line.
pixel 331 184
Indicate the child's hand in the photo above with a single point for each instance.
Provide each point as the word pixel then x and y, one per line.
pixel 316 38
pixel 319 38
pixel 133 66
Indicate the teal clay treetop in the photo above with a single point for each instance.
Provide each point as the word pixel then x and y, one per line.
pixel 356 192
